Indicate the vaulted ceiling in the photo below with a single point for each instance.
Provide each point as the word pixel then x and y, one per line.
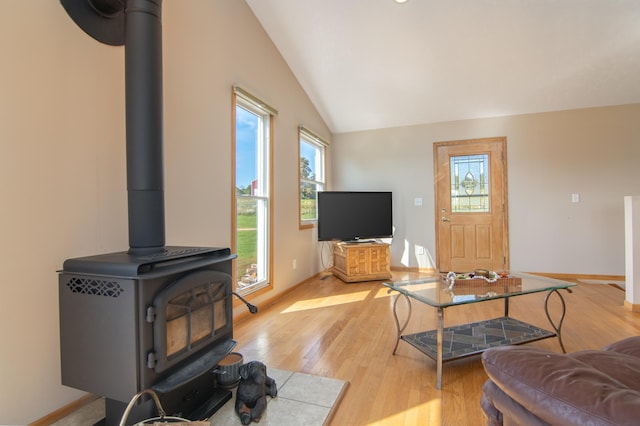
pixel 368 64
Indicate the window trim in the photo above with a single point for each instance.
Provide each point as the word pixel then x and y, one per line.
pixel 240 97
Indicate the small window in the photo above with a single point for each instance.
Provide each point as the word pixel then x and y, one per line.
pixel 312 175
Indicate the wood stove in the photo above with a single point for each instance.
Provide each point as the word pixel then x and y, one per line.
pixel 153 317
pixel 129 323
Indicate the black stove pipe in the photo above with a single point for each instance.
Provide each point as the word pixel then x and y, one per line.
pixel 137 25
pixel 143 75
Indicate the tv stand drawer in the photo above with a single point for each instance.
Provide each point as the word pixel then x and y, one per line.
pixel 361 261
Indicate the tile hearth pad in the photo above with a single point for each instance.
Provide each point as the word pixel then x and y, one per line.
pixel 303 399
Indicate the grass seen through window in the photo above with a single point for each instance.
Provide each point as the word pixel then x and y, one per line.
pixel 247 242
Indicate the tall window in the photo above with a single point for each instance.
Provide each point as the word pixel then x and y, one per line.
pixel 252 195
pixel 312 175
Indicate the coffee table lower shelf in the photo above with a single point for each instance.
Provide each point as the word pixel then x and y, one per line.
pixel 474 338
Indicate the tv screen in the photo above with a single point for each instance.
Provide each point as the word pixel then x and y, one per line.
pixel 352 216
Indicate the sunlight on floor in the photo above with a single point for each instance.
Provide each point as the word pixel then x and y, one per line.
pixel 427 413
pixel 414 287
pixel 323 302
pixel 359 296
pixel 383 292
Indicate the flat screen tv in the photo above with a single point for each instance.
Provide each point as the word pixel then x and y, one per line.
pixel 353 216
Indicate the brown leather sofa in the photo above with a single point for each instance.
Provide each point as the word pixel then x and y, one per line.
pixel 531 386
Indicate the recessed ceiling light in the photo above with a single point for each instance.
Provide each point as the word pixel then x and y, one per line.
pixel 400 1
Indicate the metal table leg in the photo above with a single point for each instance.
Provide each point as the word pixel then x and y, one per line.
pixel 440 333
pixel 558 327
pixel 400 328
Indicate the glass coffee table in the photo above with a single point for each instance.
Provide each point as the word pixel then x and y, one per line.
pixel 448 343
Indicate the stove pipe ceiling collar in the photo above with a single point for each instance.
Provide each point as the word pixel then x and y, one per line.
pixel 137 25
pixel 101 19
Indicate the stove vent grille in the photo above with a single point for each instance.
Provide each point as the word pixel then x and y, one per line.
pixel 94 287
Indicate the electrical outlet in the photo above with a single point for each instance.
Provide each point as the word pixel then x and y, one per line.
pixel 575 198
pixel 295 263
pixel 417 202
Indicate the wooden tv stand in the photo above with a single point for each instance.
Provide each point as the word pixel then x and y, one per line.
pixel 353 262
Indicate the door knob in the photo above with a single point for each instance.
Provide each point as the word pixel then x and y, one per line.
pixel 445 219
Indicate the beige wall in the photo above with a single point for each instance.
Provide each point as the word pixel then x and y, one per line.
pixel 594 152
pixel 62 163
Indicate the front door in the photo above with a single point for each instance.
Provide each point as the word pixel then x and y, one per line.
pixel 471 205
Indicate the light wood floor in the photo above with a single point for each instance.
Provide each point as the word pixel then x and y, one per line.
pixel 346 331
